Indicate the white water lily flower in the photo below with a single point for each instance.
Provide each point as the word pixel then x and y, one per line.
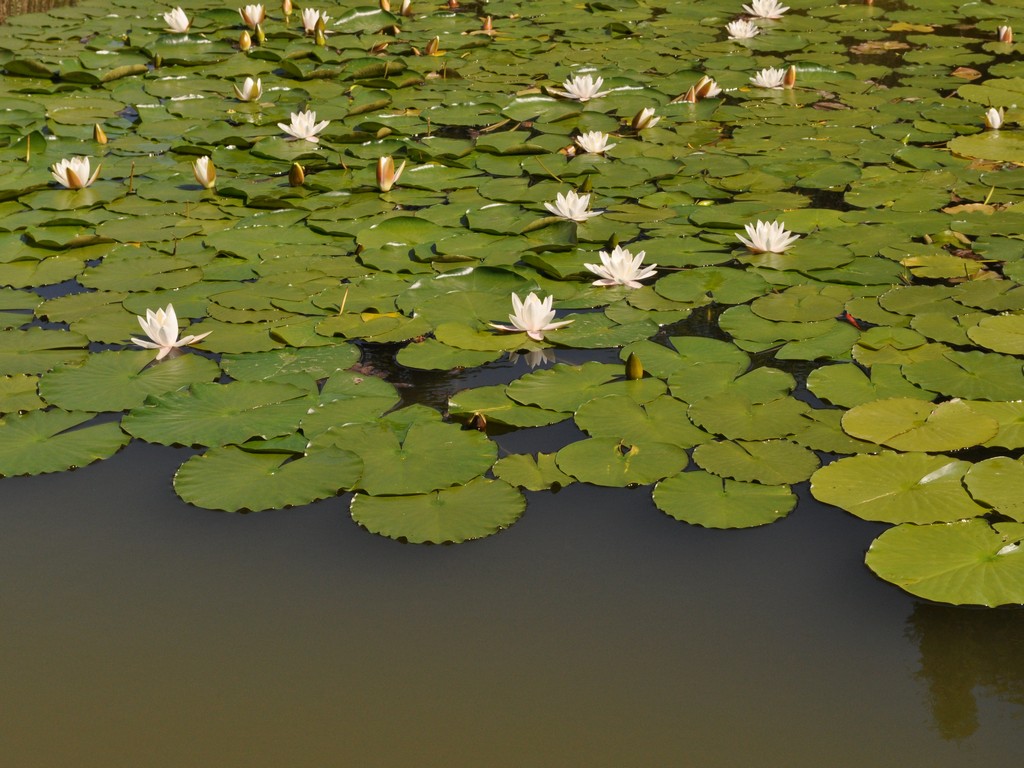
pixel 582 88
pixel 594 142
pixel 304 126
pixel 1005 34
pixel 767 237
pixel 177 21
pixel 387 176
pixel 769 77
pixel 766 9
pixel 204 172
pixel 644 119
pixel 571 206
pixel 742 30
pixel 251 90
pixel 620 267
pixel 73 173
pixel 532 316
pixel 252 15
pixel 994 118
pixel 310 17
pixel 162 327
pixel 706 88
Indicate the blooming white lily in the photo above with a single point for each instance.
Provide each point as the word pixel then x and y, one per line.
pixel 571 206
pixel 620 267
pixel 204 172
pixel 310 17
pixel 251 90
pixel 532 316
pixel 1005 34
pixel 742 29
pixel 582 88
pixel 769 77
pixel 177 21
pixel 252 15
pixel 387 176
pixel 994 118
pixel 766 9
pixel 162 327
pixel 73 173
pixel 644 119
pixel 594 142
pixel 304 126
pixel 767 237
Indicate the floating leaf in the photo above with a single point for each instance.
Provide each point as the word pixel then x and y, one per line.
pixel 610 462
pixel 539 473
pixel 479 508
pixel 235 480
pixel 965 562
pixel 703 499
pixel 53 441
pixel 998 483
pixel 769 462
pixel 897 487
pixel 907 424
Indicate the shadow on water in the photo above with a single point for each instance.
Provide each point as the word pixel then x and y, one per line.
pixel 963 651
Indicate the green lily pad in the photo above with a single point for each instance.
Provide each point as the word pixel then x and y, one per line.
pixel 451 515
pixel 769 462
pixel 998 483
pixel 566 387
pixel 1002 333
pixel 498 407
pixel 737 417
pixel 614 463
pixel 970 375
pixel 897 488
pixel 703 499
pixel 116 381
pixel 52 441
pixel 218 414
pixel 662 420
pixel 423 457
pixel 907 424
pixel 235 480
pixel 969 562
pixel 36 350
pixel 540 473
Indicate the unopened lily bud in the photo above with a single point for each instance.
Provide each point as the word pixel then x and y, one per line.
pixel 406 8
pixel 432 46
pixel 690 97
pixel 645 118
pixel 296 176
pixel 1006 34
pixel 387 176
pixel 634 368
pixel 261 36
pixel 789 80
pixel 244 41
pixel 158 61
pixel 488 25
pixel 98 134
pixel 478 422
pixel 379 47
pixel 204 172
pixel 994 118
pixel 385 5
pixel 453 4
pixel 286 8
pixel 319 35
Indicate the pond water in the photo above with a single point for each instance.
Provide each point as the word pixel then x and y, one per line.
pixel 140 630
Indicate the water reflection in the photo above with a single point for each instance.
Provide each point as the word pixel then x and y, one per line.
pixel 962 650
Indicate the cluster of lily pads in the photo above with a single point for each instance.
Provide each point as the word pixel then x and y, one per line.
pixel 806 246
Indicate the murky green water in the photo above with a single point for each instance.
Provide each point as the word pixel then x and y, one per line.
pixel 140 631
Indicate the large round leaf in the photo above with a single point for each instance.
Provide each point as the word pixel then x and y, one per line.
pixel 966 562
pixel 662 420
pixel 320 362
pixel 234 480
pixel 566 387
pixel 971 375
pixel 472 511
pixel 897 487
pixel 422 457
pixel 52 441
pixel 115 381
pixel 999 483
pixel 539 473
pixel 218 414
pixel 497 407
pixel 907 424
pixel 770 462
pixel 738 418
pixel 615 463
pixel 703 499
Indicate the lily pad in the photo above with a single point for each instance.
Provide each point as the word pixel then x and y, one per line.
pixel 235 480
pixel 479 508
pixel 615 463
pixel 52 441
pixel 897 488
pixel 907 424
pixel 700 498
pixel 540 473
pixel 769 462
pixel 969 562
